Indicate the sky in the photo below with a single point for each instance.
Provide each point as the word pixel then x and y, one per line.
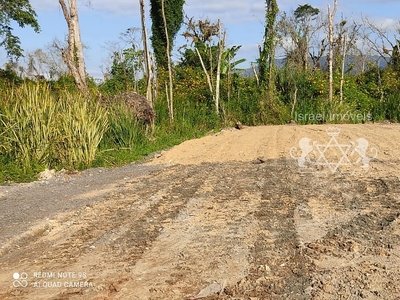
pixel 103 21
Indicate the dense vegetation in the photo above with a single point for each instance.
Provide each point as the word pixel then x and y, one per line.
pixel 50 124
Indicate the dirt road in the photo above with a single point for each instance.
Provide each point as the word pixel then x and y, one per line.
pixel 273 212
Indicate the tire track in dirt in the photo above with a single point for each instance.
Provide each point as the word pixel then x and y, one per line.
pixel 122 227
pixel 324 238
pixel 26 205
pixel 278 270
pixel 243 228
pixel 190 216
pixel 208 243
pixel 360 258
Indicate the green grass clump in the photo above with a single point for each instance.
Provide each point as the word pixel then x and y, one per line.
pixel 41 129
pixel 51 125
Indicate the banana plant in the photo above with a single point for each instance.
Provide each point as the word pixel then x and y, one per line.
pixel 227 56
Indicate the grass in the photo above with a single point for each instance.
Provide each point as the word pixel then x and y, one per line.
pixel 41 130
pixel 126 139
pixel 46 127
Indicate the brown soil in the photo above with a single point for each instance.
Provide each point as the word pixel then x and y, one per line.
pixel 227 216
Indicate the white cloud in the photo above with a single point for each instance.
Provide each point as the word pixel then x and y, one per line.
pixel 376 1
pixel 123 7
pixel 228 11
pixel 44 5
pixel 386 24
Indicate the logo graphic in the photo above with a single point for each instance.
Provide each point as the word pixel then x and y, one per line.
pixel 20 280
pixel 332 157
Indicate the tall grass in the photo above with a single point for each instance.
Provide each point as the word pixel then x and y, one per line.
pixel 29 122
pixel 124 130
pixel 40 128
pixel 53 126
pixel 387 109
pixel 81 128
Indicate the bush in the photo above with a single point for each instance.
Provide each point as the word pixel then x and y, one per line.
pixel 40 129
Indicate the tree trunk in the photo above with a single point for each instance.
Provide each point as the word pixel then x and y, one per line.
pixel 171 95
pixel 294 101
pixel 206 73
pixel 149 93
pixel 255 73
pixel 330 17
pixel 73 55
pixel 343 67
pixel 267 53
pixel 221 46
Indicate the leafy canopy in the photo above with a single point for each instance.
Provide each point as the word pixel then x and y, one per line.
pixel 21 12
pixel 305 12
pixel 174 17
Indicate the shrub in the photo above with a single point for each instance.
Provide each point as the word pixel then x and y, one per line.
pixel 39 128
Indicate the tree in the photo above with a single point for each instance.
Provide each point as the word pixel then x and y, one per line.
pixel 213 58
pixel 147 62
pixel 174 17
pixel 304 14
pixel 385 47
pixel 395 57
pixel 46 62
pixel 267 52
pixel 200 31
pixel 73 55
pixel 170 95
pixel 227 65
pixel 21 12
pixel 201 34
pixel 122 73
pixel 331 47
pixel 298 28
pixel 345 42
pixel 134 55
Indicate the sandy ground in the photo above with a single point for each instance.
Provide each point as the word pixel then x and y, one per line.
pixel 270 212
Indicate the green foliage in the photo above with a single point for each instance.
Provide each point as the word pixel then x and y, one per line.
pixel 226 61
pixel 267 53
pixel 190 81
pixel 385 86
pixel 83 125
pixel 9 76
pixel 395 58
pixel 11 172
pixel 124 131
pixel 304 13
pixel 387 109
pixel 174 17
pixel 49 124
pixel 63 84
pixel 124 71
pixel 67 84
pixel 22 13
pixel 39 129
pixel 209 54
pixel 189 57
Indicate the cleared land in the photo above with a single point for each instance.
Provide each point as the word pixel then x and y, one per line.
pixel 227 216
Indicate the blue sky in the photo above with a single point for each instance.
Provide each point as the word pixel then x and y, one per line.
pixel 104 20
